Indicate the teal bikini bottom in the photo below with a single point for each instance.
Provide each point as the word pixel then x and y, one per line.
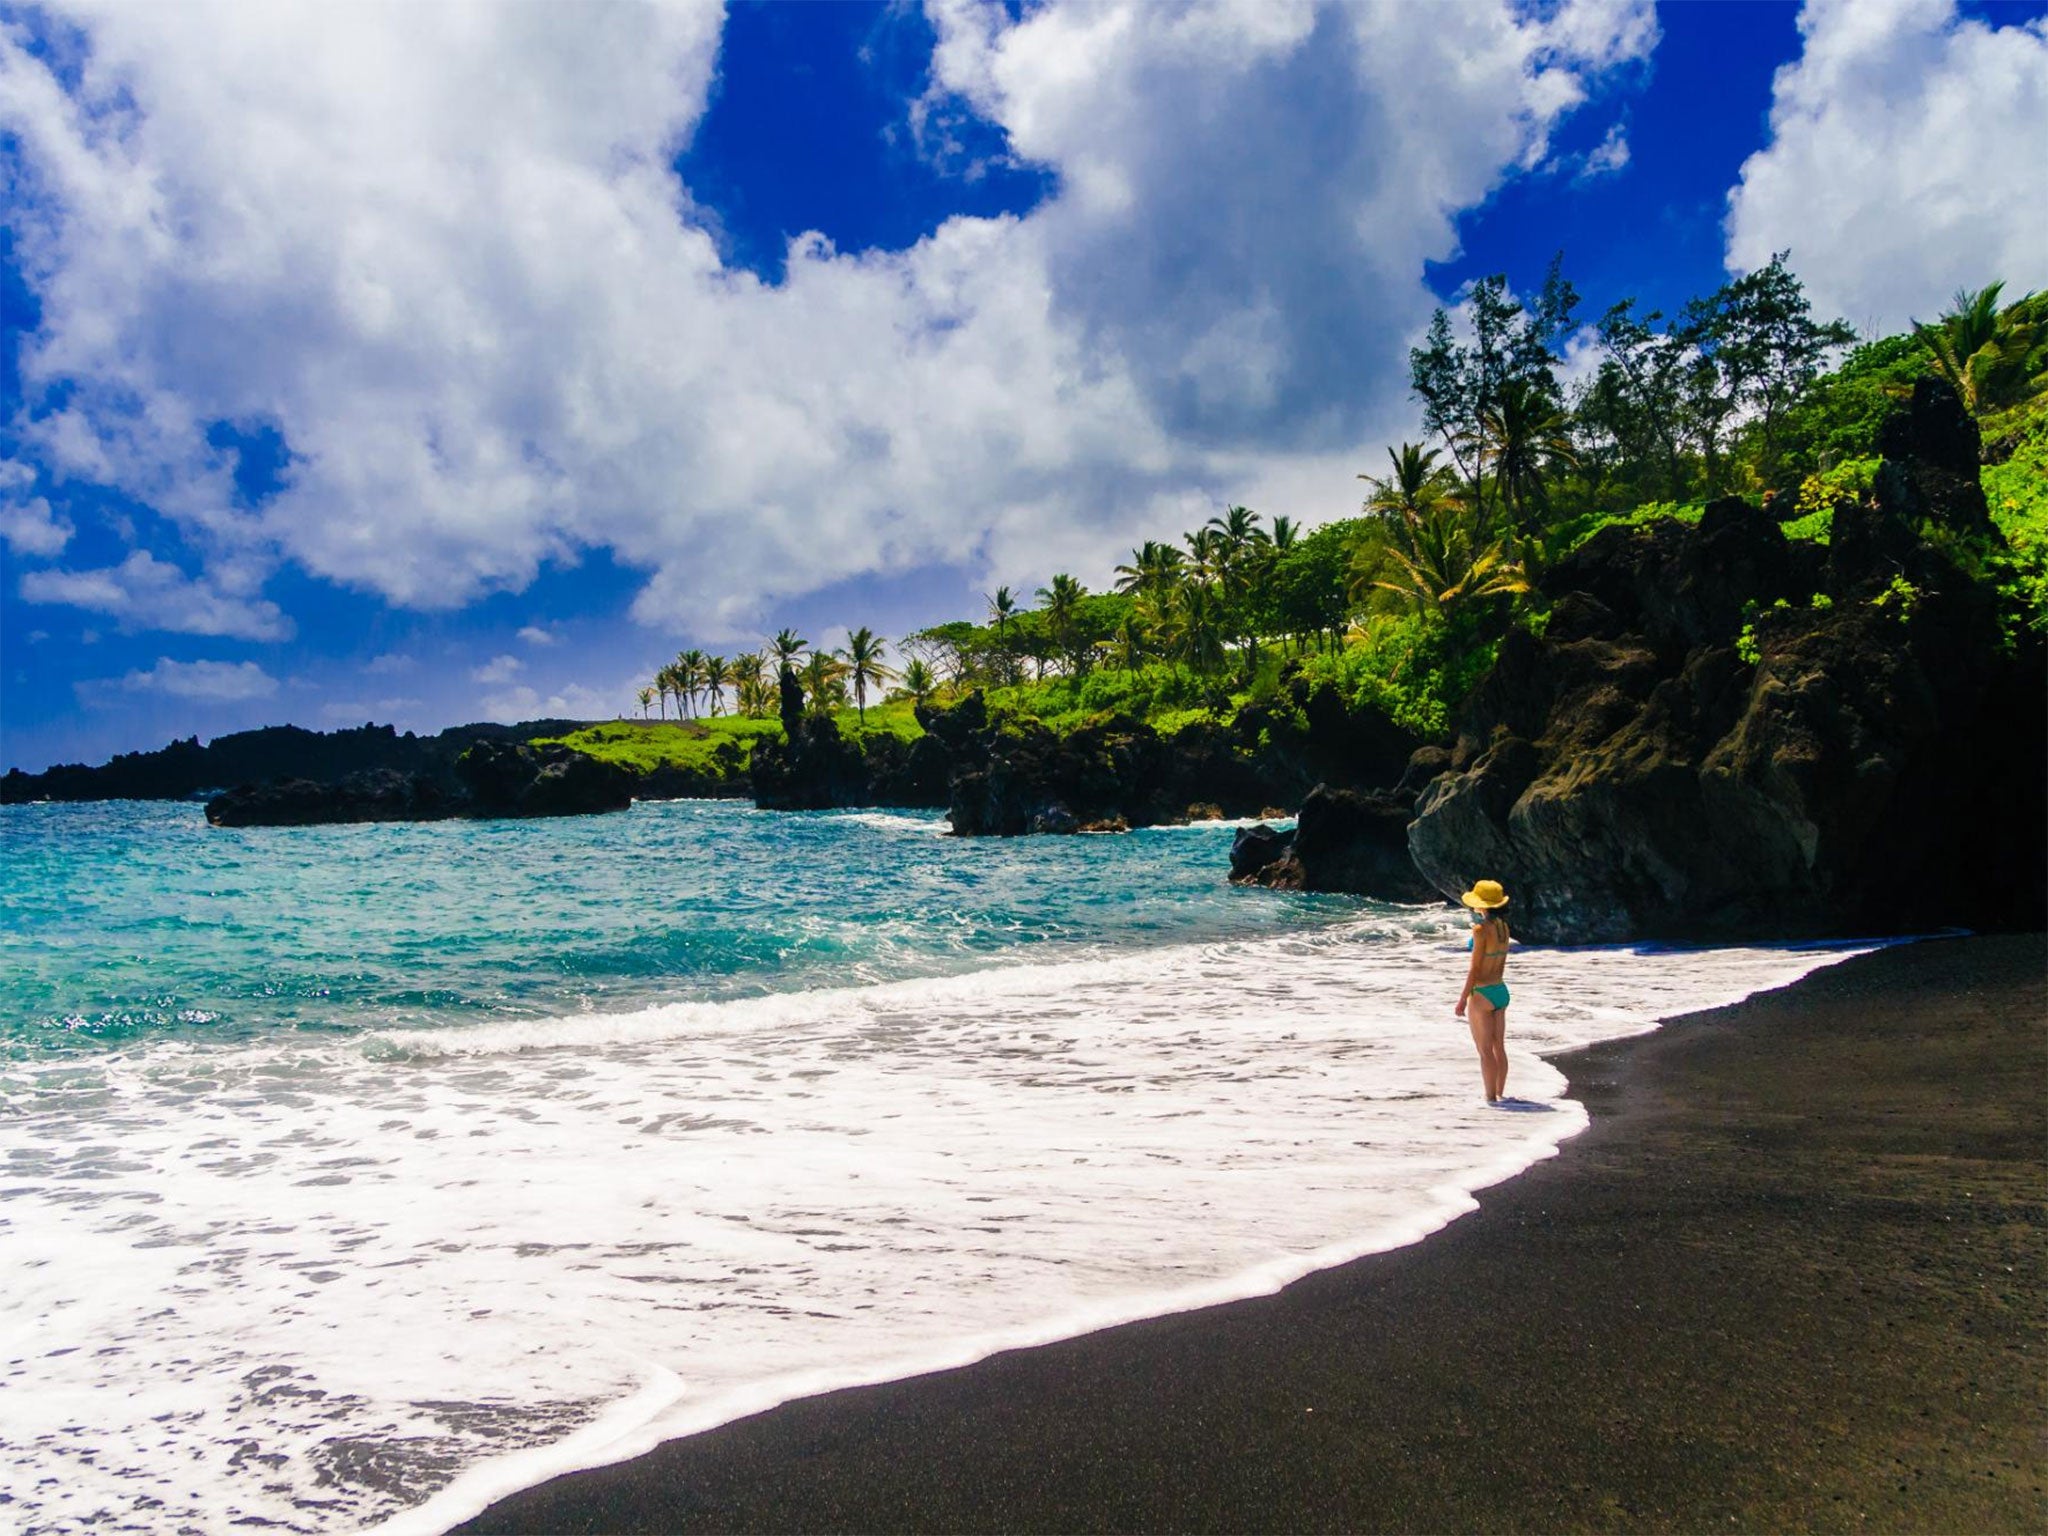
pixel 1495 992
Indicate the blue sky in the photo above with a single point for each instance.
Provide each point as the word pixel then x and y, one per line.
pixel 467 362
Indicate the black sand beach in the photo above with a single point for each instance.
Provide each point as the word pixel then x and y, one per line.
pixel 1792 1278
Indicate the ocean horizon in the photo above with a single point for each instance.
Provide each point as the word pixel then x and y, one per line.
pixel 359 1175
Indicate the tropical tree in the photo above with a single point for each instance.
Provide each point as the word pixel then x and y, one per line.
pixel 1284 534
pixel 665 684
pixel 1759 349
pixel 788 645
pixel 918 680
pixel 646 697
pixel 1528 435
pixel 1418 483
pixel 863 658
pixel 1129 646
pixel 717 676
pixel 1061 607
pixel 823 680
pixel 749 673
pixel 1153 570
pixel 1238 529
pixel 1459 384
pixel 1003 608
pixel 1992 357
pixel 689 677
pixel 1443 561
pixel 1195 630
pixel 1205 554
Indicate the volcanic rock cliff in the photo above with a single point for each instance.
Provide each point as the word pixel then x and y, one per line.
pixel 1868 755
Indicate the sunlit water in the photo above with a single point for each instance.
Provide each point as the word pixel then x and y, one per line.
pixel 362 1174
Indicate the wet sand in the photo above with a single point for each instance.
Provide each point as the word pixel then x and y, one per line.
pixel 1795 1277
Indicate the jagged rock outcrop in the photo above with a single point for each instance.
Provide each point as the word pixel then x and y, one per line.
pixel 1877 767
pixel 505 778
pixel 492 778
pixel 813 768
pixel 275 753
pixel 1024 777
pixel 1342 841
pixel 381 794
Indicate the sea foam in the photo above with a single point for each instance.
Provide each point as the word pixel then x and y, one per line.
pixel 325 1282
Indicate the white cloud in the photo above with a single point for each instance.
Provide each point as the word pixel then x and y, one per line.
pixel 144 592
pixel 1904 162
pixel 499 669
pixel 357 711
pixel 535 634
pixel 279 213
pixel 26 524
pixel 388 664
pixel 207 682
pixel 1607 157
pixel 574 702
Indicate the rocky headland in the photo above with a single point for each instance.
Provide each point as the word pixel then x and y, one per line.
pixel 1723 733
pixel 186 769
pixel 491 778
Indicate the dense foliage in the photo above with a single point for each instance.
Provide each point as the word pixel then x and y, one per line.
pixel 1399 610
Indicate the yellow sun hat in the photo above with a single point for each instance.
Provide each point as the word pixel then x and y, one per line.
pixel 1485 895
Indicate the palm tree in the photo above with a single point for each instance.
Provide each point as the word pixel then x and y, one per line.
pixel 1417 484
pixel 646 697
pixel 1443 560
pixel 749 668
pixel 1128 645
pixel 665 684
pixel 717 674
pixel 1003 608
pixel 1284 534
pixel 1153 569
pixel 1062 602
pixel 1238 529
pixel 1528 433
pixel 787 646
pixel 822 676
pixel 689 671
pixel 1195 629
pixel 1991 357
pixel 918 681
pixel 1205 554
pixel 863 658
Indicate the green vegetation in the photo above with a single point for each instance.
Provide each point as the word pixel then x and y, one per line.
pixel 2017 489
pixel 1400 609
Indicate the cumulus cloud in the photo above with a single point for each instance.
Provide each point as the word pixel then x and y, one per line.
pixel 574 702
pixel 1904 160
pixel 206 682
pixel 535 634
pixel 26 522
pixel 144 592
pixel 499 669
pixel 442 248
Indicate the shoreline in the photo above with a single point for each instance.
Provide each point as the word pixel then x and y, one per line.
pixel 1811 1175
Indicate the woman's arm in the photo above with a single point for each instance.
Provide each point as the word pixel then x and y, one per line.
pixel 1471 973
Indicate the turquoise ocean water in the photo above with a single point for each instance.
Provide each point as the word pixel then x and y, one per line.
pixel 357 1175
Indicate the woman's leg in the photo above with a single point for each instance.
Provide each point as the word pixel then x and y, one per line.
pixel 1480 1014
pixel 1497 1042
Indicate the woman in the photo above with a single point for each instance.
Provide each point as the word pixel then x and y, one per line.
pixel 1484 990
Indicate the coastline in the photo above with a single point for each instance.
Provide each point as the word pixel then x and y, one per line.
pixel 1789 1277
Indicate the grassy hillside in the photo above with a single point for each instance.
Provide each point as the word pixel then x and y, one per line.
pixel 717 744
